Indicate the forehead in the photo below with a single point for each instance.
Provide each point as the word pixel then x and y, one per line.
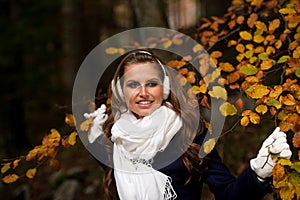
pixel 142 71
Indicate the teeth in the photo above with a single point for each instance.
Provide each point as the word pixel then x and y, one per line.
pixel 144 102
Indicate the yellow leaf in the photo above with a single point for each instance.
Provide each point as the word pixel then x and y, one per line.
pixel 266 64
pixel 287 11
pixel 245 121
pixel 249 54
pixel 296 53
pixel 177 40
pixel 227 109
pixel 254 118
pixel 257 91
pixel 209 145
pixel 10 178
pixel 273 25
pixel 197 48
pixel 30 173
pixel 111 50
pixel 5 167
pixel 85 126
pixel 245 35
pixel 218 92
pixel 261 109
pixel 270 50
pixel 201 89
pixel 288 100
pixel 167 43
pixel 260 25
pixel 276 92
pixel 72 138
pixel 240 57
pixel 278 44
pixel 258 38
pixel 70 120
pixel 297 36
pixel 284 162
pixel 191 77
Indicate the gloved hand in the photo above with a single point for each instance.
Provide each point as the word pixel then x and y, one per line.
pixel 263 164
pixel 100 117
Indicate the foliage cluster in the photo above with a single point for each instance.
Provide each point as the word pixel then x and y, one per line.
pixel 253 49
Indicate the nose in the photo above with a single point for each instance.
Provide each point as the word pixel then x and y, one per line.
pixel 143 91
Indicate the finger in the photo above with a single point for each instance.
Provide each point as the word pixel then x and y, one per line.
pixel 279 148
pixel 279 141
pixel 278 134
pixel 86 115
pixel 286 153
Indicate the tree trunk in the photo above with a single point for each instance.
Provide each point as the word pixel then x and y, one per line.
pixel 149 13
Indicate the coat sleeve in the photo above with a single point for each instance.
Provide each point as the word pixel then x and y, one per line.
pixel 225 186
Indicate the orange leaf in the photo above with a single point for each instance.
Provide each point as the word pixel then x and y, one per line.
pixel 254 118
pixel 30 173
pixel 273 25
pixel 252 19
pixel 10 178
pixel 226 67
pixel 266 64
pixel 278 172
pixel 85 126
pixel 260 25
pixel 245 121
pixel 240 19
pixel 70 120
pixel 240 48
pixel 233 77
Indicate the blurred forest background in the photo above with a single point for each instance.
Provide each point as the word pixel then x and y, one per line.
pixel 42 46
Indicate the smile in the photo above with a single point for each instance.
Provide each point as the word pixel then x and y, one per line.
pixel 144 102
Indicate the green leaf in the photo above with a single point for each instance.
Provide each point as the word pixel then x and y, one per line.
pixel 248 69
pixel 263 56
pixel 297 72
pixel 296 166
pixel 283 59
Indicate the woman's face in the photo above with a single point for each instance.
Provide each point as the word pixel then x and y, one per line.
pixel 142 88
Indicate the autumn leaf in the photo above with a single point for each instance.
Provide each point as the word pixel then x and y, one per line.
pixel 218 92
pixel 30 173
pixel 226 67
pixel 278 172
pixel 202 89
pixel 257 91
pixel 273 25
pixel 5 167
pixel 275 103
pixel 10 178
pixel 85 126
pixel 248 69
pixel 260 25
pixel 111 50
pixel 209 145
pixel 262 109
pixel 16 163
pixel 72 138
pixel 227 109
pixel 254 118
pixel 245 121
pixel 266 64
pixel 296 140
pixel 245 35
pixel 70 120
pixel 287 11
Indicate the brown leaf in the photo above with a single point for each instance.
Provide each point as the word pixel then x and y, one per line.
pixel 296 140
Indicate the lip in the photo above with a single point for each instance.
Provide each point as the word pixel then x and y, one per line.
pixel 144 103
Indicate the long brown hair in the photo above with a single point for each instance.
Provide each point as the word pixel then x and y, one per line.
pixel 190 115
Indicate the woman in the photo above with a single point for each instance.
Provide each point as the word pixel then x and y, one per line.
pixel 152 121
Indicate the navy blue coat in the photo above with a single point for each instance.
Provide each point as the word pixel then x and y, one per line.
pixel 215 174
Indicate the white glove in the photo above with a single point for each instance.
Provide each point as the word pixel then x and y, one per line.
pixel 99 119
pixel 263 164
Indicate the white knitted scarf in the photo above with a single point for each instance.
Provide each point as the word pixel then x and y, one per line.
pixel 136 142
